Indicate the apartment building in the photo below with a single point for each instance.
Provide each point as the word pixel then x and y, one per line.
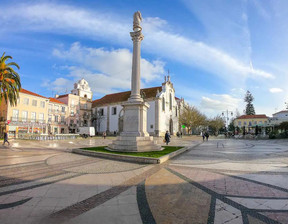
pixel 29 116
pixel 79 103
pixel 57 117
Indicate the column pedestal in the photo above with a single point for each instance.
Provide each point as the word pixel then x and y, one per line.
pixel 135 137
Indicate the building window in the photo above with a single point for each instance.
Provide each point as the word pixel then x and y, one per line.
pixel 250 123
pixel 245 123
pixel 62 119
pixel 34 103
pixel 26 101
pixel 85 106
pixel 72 103
pixel 239 123
pixel 163 104
pixel 15 115
pixel 24 116
pixel 260 122
pixel 42 104
pixel 114 110
pixel 151 126
pixel 41 118
pixel 56 109
pixel 101 112
pixel 63 109
pixel 50 108
pixel 49 118
pixel 72 112
pixel 255 122
pixel 33 116
pixel 56 118
pixel 170 101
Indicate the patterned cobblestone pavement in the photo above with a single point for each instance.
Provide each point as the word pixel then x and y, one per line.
pixel 220 181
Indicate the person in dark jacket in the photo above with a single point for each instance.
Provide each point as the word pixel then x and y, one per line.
pixel 167 137
pixel 206 135
pixel 6 138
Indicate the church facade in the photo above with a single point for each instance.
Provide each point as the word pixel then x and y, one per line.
pixel 162 115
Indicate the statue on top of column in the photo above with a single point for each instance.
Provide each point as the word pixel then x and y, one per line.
pixel 137 18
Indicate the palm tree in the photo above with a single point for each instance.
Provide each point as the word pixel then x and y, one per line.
pixel 10 84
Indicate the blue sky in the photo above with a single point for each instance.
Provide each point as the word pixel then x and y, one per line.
pixel 215 50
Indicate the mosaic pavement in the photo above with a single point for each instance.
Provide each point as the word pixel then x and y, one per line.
pixel 220 181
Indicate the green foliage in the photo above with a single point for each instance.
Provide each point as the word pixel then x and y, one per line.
pixel 249 106
pixel 192 118
pixel 216 124
pixel 272 135
pixel 283 126
pixel 10 84
pixel 154 154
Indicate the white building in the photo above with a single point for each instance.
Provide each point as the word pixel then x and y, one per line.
pixel 278 118
pixel 162 115
pixel 79 106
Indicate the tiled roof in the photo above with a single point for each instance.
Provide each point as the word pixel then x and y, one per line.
pixel 31 93
pixel 252 116
pixel 282 111
pixel 123 96
pixel 55 100
pixel 60 96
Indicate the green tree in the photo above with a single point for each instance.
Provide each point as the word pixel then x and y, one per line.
pixel 191 117
pixel 10 84
pixel 249 106
pixel 215 124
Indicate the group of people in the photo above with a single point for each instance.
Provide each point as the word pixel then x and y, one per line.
pixel 205 135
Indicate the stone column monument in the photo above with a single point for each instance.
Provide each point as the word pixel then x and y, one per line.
pixel 135 136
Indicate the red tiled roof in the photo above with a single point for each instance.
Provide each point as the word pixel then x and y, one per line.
pixel 31 93
pixel 282 111
pixel 252 116
pixel 55 100
pixel 123 96
pixel 60 96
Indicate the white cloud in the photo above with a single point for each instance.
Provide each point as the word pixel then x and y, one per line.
pixel 107 70
pixel 275 90
pixel 159 39
pixel 217 103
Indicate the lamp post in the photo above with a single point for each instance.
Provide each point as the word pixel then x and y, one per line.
pixel 226 115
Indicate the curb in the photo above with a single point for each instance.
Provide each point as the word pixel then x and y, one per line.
pixel 145 160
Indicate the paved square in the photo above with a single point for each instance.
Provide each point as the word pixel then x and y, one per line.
pixel 219 181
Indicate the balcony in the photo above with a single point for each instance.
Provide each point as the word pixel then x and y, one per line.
pixel 26 120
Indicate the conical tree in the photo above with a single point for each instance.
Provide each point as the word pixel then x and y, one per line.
pixel 10 84
pixel 249 106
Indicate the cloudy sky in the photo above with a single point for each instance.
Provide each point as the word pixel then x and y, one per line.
pixel 215 50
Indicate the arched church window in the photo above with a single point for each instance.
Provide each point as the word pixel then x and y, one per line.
pixel 163 104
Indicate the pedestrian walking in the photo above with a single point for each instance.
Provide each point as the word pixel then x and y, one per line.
pixel 6 138
pixel 203 136
pixel 104 134
pixel 206 135
pixel 167 137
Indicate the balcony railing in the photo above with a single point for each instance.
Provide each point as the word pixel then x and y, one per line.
pixel 24 119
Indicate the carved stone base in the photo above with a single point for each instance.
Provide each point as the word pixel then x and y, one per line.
pixel 134 144
pixel 135 137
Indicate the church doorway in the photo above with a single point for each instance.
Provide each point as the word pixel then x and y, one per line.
pixel 171 127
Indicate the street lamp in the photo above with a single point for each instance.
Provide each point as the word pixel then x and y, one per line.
pixel 226 115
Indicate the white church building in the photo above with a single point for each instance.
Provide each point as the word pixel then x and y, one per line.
pixel 162 115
